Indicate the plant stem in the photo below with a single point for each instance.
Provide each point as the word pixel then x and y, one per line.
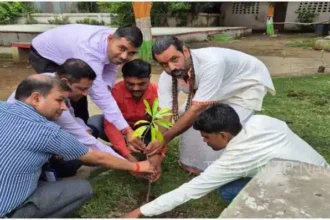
pixel 149 185
pixel 149 190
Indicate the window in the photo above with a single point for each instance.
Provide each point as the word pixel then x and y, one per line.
pixel 245 8
pixel 315 7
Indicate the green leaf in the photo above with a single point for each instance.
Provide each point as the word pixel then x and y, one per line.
pixel 155 125
pixel 164 123
pixel 148 109
pixel 141 122
pixel 139 132
pixel 162 112
pixel 155 107
pixel 164 115
pixel 153 133
pixel 159 136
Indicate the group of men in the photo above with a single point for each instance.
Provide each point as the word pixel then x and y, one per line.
pixel 46 131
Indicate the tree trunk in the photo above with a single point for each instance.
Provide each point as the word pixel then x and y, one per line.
pixel 142 19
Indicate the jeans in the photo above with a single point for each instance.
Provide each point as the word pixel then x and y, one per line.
pixel 230 190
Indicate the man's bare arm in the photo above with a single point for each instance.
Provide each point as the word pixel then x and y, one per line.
pixel 184 122
pixel 112 162
pixel 163 129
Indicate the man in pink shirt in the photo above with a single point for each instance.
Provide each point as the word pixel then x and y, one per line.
pixel 102 48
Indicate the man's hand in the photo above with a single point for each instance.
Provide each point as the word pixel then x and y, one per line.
pixel 134 143
pixel 154 147
pixel 145 167
pixel 156 160
pixel 131 158
pixel 134 214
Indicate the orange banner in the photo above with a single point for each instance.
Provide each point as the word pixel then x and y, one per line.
pixel 142 9
pixel 270 11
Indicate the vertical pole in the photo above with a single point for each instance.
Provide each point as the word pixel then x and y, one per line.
pixel 142 19
pixel 270 22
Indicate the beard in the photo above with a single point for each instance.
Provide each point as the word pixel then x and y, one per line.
pixel 182 73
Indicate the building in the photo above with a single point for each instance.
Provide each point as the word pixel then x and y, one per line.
pixel 254 14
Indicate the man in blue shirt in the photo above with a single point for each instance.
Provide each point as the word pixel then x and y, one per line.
pixel 28 139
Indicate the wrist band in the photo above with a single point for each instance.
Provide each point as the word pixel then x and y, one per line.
pixel 126 130
pixel 137 169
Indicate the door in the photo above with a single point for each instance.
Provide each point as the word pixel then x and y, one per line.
pixel 279 15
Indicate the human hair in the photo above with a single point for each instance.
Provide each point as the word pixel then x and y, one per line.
pixel 162 43
pixel 75 70
pixel 132 33
pixel 42 84
pixel 218 118
pixel 136 68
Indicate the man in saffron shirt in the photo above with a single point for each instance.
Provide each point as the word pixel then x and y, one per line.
pixel 129 95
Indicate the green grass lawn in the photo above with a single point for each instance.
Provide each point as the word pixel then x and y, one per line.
pixel 303 102
pixel 304 44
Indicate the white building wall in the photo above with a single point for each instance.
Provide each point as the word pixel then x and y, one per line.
pixel 240 14
pixel 233 14
pixel 322 10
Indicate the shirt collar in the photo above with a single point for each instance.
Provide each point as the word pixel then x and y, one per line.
pixel 240 136
pixel 25 107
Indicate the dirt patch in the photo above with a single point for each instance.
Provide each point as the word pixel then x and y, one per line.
pixel 11 75
pixel 141 200
pixel 263 45
pixel 123 206
pixel 142 197
pixel 298 95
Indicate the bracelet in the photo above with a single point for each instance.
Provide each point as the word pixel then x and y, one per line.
pixel 126 130
pixel 137 169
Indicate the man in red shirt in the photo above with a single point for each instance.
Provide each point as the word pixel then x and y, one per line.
pixel 129 95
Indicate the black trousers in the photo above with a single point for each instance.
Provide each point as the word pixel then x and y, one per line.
pixel 43 65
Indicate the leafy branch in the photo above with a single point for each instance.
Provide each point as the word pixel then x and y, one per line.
pixel 156 116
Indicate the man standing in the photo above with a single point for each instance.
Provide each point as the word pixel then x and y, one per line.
pixel 208 75
pixel 28 139
pixel 129 95
pixel 102 49
pixel 247 149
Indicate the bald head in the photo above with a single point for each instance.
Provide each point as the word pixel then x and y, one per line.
pixel 42 84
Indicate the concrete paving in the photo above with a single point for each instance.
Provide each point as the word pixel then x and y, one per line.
pixel 291 66
pixel 284 189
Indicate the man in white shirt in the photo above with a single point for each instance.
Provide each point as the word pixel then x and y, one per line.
pixel 247 149
pixel 208 75
pixel 79 76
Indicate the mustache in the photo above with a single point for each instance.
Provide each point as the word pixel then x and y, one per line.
pixel 180 73
pixel 177 72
